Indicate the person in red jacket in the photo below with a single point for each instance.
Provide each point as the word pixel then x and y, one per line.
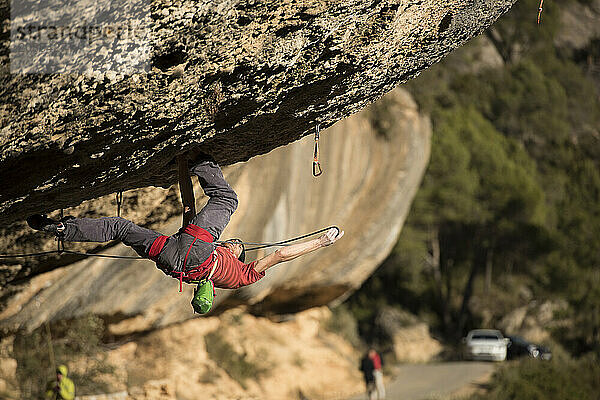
pixel 377 373
pixel 190 254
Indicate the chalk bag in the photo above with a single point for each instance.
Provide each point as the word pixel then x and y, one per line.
pixel 204 295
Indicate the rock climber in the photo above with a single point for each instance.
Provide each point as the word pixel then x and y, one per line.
pixel 191 254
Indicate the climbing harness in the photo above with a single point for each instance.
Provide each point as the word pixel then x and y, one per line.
pixel 539 17
pixel 316 165
pixel 198 234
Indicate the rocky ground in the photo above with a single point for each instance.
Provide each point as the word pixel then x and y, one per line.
pixel 236 356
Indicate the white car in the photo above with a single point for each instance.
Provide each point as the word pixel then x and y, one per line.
pixel 485 344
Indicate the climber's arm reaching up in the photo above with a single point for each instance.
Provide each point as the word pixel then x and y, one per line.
pixel 296 250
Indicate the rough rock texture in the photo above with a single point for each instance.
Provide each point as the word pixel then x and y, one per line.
pixel 414 344
pixel 373 163
pixel 239 78
pixel 197 359
pixel 410 337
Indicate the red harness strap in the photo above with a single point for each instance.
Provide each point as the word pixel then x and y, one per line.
pixel 157 247
pixel 198 234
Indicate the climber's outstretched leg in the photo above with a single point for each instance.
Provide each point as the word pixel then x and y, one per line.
pixel 222 201
pixel 98 230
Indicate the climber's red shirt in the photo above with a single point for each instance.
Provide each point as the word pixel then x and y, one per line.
pixel 231 273
pixel 376 361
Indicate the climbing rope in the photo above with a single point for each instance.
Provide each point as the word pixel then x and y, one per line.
pixel 540 9
pixel 61 245
pixel 63 251
pixel 258 245
pixel 262 245
pixel 316 165
pixel 42 253
pixel 103 255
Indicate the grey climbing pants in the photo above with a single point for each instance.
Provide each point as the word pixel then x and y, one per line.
pixel 214 217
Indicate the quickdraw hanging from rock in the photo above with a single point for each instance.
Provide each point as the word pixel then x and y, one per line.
pixel 60 238
pixel 539 18
pixel 119 199
pixel 316 165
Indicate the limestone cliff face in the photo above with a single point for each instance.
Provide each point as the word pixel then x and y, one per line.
pixel 373 163
pixel 237 78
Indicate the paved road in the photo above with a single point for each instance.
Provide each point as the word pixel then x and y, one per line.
pixel 424 381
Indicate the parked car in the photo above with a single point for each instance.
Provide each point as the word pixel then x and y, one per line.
pixel 520 347
pixel 545 353
pixel 485 344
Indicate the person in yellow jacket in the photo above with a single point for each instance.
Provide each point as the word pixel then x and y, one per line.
pixel 63 388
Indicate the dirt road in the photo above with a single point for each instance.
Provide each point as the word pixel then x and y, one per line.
pixel 424 381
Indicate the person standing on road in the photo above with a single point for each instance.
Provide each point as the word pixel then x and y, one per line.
pixel 377 373
pixel 366 366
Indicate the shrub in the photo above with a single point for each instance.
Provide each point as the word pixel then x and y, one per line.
pixel 342 322
pixel 72 342
pixel 535 380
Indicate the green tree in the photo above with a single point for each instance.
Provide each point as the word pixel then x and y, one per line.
pixel 513 185
pixel 477 204
pixel 518 33
pixel 71 341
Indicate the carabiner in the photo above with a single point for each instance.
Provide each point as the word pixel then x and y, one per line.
pixel 316 165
